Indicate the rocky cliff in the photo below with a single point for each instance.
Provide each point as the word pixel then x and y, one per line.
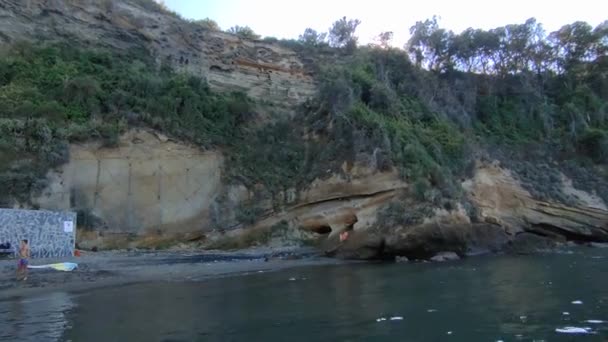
pixel 508 217
pixel 150 190
pixel 264 71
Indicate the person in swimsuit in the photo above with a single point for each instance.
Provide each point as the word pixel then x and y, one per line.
pixel 24 256
pixel 343 236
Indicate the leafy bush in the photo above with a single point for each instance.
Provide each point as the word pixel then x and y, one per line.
pixel 244 32
pixel 594 143
pixel 208 24
pixel 248 213
pixel 402 213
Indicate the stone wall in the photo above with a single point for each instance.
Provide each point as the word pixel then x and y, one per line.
pixel 51 234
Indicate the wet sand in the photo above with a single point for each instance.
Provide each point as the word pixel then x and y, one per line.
pixel 117 268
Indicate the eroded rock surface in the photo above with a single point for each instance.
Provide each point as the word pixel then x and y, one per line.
pixel 501 199
pixel 262 70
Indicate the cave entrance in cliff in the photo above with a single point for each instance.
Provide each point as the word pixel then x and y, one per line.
pixel 321 230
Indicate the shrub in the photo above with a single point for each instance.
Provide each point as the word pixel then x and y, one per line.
pixel 244 32
pixel 248 214
pixel 402 213
pixel 208 24
pixel 594 143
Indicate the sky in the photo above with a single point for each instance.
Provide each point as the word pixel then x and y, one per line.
pixel 288 19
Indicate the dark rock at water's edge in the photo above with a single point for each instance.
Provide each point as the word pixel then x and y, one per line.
pixel 443 242
pixel 421 243
pixel 529 243
pixel 360 246
pixel 426 241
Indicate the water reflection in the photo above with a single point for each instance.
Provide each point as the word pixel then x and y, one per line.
pixel 41 318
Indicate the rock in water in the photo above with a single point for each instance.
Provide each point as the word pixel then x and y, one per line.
pixel 445 256
pixel 401 259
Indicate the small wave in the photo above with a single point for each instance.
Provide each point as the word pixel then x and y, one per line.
pixel 577 302
pixel 394 318
pixel 574 330
pixel 594 321
pixel 431 310
pixel 565 313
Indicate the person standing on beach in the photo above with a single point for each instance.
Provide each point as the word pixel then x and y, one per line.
pixel 24 256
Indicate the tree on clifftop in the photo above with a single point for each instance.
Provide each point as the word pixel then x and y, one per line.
pixel 342 33
pixel 430 45
pixel 208 24
pixel 384 40
pixel 311 37
pixel 244 32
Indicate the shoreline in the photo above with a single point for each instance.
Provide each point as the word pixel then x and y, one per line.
pixel 121 268
pixel 109 269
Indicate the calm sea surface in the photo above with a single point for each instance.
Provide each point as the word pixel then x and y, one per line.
pixel 548 297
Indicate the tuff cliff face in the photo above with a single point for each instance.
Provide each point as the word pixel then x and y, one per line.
pixel 508 218
pixel 145 184
pixel 503 201
pixel 264 71
pixel 150 190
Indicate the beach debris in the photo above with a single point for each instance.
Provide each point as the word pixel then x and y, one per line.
pixel 62 266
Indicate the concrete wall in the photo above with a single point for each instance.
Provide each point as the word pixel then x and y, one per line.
pixel 51 234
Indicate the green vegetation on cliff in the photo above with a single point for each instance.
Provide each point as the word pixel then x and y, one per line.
pixel 537 102
pixel 425 110
pixel 50 96
pixel 514 89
